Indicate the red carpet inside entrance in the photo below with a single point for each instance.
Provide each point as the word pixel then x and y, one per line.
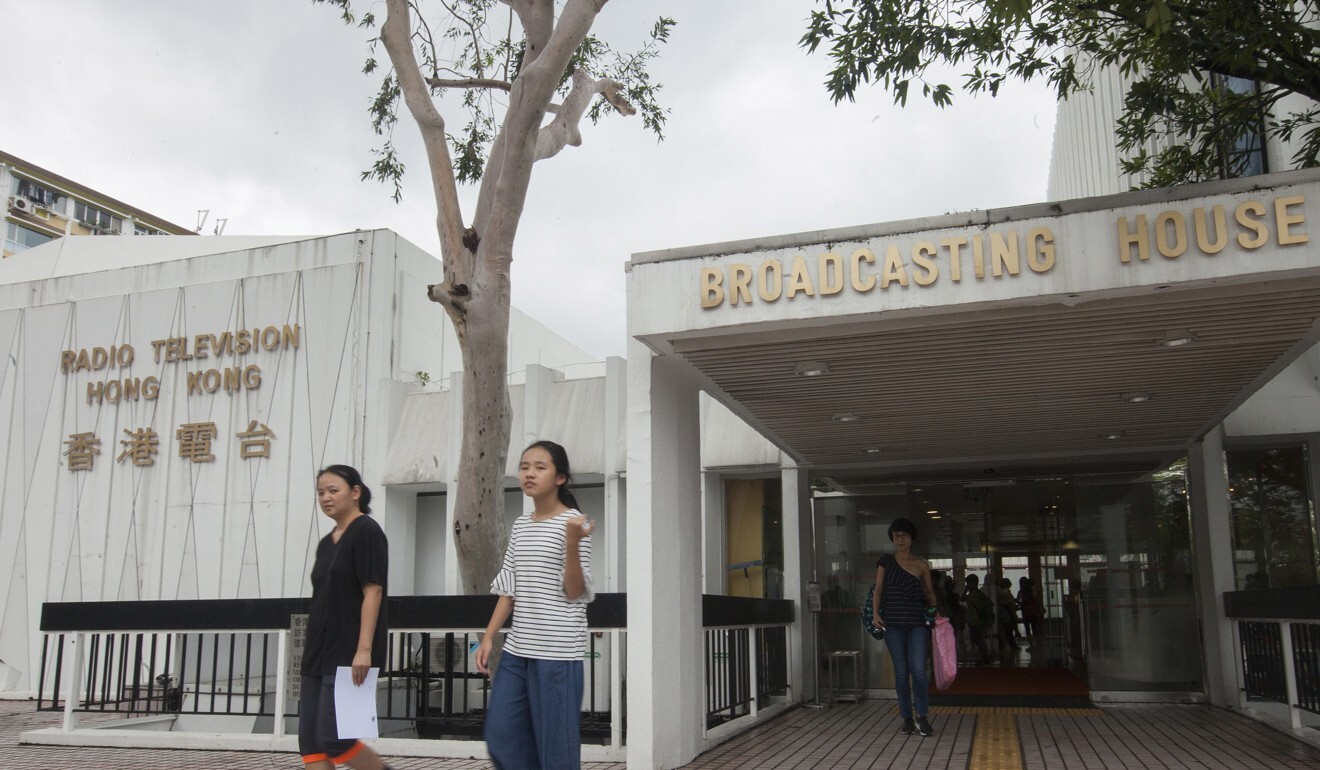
pixel 1053 681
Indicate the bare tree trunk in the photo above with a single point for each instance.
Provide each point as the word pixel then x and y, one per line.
pixel 479 532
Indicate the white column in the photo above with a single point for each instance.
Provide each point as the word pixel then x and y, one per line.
pixel 536 397
pixel 715 538
pixel 615 463
pixel 1212 528
pixel 795 484
pixel 666 711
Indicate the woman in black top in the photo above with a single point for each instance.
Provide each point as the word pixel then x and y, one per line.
pixel 347 624
pixel 904 581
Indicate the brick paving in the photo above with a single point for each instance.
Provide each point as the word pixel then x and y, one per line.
pixel 846 736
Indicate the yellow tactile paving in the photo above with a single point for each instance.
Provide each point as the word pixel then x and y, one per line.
pixel 995 744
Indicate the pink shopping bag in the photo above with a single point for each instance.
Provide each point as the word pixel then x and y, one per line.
pixel 944 644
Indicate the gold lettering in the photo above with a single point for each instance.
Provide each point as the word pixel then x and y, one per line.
pixel 199 345
pixel 1203 241
pixel 84 362
pixel 1128 238
pixel 978 255
pixel 1163 222
pixel 800 279
pixel 769 288
pixel 113 391
pixel 99 359
pixel 95 391
pixel 211 380
pixel 740 283
pixel 923 256
pixel 243 342
pixel 955 258
pixel 232 382
pixel 291 335
pixel 831 273
pixel 1004 254
pixel 252 377
pixel 894 270
pixel 194 383
pixel 712 293
pixel 226 344
pixel 1243 215
pixel 1284 221
pixel 67 359
pixel 860 283
pixel 270 337
pixel 131 389
pixel 150 387
pixel 157 345
pixel 1041 257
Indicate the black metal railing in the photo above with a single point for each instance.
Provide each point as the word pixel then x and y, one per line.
pixel 1278 633
pixel 746 650
pixel 168 665
pixel 234 658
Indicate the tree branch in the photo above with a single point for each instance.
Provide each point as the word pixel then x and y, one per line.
pixel 504 189
pixel 499 85
pixel 564 130
pixel 396 36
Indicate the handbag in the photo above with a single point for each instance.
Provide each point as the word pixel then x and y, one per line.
pixel 944 645
pixel 868 618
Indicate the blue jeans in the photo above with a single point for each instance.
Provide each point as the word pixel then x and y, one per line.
pixel 535 710
pixel 909 649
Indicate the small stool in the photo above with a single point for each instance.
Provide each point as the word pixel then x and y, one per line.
pixel 836 659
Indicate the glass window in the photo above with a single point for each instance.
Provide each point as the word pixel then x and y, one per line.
pixel 96 218
pixel 1136 597
pixel 19 238
pixel 1244 154
pixel 26 188
pixel 1273 531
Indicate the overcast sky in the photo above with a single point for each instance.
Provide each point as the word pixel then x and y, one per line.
pixel 256 110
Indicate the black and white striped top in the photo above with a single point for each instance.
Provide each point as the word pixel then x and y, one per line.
pixel 546 625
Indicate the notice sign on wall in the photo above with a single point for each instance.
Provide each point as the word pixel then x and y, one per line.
pixel 297 643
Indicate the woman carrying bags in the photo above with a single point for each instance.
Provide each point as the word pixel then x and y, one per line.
pixel 903 580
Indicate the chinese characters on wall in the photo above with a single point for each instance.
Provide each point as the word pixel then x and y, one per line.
pixel 197 442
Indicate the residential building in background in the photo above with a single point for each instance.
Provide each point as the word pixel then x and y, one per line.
pixel 41 206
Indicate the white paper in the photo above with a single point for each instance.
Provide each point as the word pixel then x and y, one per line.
pixel 355 706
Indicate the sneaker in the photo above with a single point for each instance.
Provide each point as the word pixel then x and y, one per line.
pixel 908 727
pixel 923 727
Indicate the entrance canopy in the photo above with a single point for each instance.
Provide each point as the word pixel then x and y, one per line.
pixel 1097 335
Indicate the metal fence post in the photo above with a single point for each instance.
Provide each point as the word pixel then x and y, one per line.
pixel 281 679
pixel 616 689
pixel 74 674
pixel 1290 675
pixel 752 658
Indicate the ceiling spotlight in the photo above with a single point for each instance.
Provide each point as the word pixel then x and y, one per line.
pixel 1136 398
pixel 1176 339
pixel 1112 435
pixel 845 417
pixel 871 450
pixel 811 368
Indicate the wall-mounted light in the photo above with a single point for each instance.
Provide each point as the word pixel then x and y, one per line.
pixel 1136 398
pixel 1176 339
pixel 811 368
pixel 1112 435
pixel 845 417
pixel 871 450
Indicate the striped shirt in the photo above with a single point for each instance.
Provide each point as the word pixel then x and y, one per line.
pixel 546 624
pixel 903 602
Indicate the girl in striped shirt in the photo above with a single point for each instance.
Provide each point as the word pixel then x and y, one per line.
pixel 545 582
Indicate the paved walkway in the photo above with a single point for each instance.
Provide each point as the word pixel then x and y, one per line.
pixel 863 735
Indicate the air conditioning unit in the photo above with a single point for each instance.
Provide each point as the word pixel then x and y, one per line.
pixel 19 203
